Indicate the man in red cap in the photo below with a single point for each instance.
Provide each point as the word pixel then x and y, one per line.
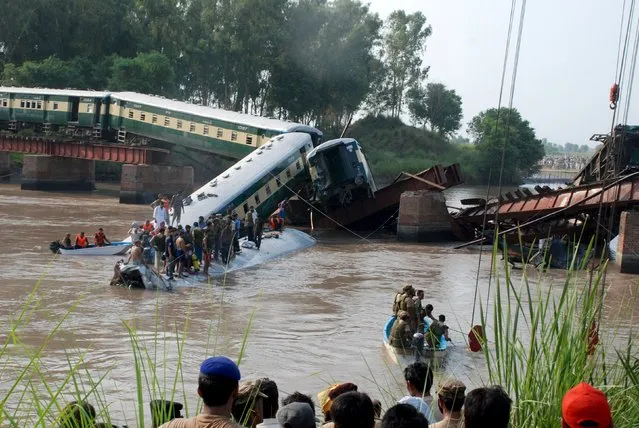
pixel 218 385
pixel 585 406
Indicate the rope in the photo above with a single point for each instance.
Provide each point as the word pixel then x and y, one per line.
pixel 513 6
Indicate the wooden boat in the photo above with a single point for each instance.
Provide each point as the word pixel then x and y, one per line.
pixel 406 356
pixel 116 248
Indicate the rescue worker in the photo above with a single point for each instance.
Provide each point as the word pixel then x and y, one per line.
pixel 207 248
pixel 136 254
pixel 158 242
pixel 100 239
pixel 226 241
pixel 178 208
pixel 404 302
pixel 436 330
pixel 237 228
pixel 147 227
pixel 401 335
pixel 66 242
pixel 249 223
pixel 419 310
pixel 259 227
pixel 170 252
pixel 81 241
pixel 198 237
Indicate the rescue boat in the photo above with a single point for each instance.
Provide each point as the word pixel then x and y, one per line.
pixel 114 249
pixel 406 356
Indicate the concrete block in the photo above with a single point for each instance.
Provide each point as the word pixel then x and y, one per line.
pixel 423 217
pixel 141 184
pixel 44 172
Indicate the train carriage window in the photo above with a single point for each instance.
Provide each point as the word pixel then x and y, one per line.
pixel 154 118
pixel 179 124
pixel 192 127
pixel 89 108
pixel 257 199
pixel 22 103
pixel 4 103
pixel 278 182
pixel 142 117
pixel 130 114
pixel 268 190
pixel 246 207
pixel 249 139
pixel 167 121
pixel 206 130
pixel 288 173
pixel 55 106
pixel 28 104
pixel 297 165
pixel 220 132
pixel 39 104
pixel 233 136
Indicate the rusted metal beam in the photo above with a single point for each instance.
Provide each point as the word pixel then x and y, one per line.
pixel 423 180
pixel 82 150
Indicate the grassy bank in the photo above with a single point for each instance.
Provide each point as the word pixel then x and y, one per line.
pixel 537 343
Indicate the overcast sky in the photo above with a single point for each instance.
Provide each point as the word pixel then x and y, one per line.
pixel 566 67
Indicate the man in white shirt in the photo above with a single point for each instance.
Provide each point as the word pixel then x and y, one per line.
pixel 419 381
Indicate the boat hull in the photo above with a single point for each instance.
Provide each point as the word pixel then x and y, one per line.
pixel 114 249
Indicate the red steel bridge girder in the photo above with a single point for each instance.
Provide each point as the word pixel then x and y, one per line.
pixel 82 150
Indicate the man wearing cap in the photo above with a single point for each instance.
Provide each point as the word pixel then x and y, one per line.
pixel 450 400
pixel 218 388
pixel 585 406
pixel 400 334
pixel 248 407
pixel 296 415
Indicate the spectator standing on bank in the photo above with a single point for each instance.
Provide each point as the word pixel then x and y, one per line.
pixel 487 407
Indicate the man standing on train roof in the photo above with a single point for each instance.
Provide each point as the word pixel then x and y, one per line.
pixel 100 239
pixel 236 228
pixel 159 215
pixel 249 223
pixel 170 252
pixel 178 207
pixel 259 228
pixel 201 223
pixel 282 213
pixel 81 241
pixel 198 237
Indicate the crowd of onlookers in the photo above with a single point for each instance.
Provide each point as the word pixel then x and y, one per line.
pixel 564 161
pixel 229 402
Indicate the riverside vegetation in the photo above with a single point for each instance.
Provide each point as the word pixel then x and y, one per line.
pixel 536 347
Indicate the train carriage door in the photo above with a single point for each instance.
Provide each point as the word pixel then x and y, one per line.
pixel 75 108
pixel 98 110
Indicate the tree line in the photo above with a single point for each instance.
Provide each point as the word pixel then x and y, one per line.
pixel 309 61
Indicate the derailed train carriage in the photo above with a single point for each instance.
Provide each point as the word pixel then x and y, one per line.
pixel 340 172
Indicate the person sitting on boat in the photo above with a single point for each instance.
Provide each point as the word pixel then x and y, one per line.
pixel 428 312
pixel 66 242
pixel 401 335
pixel 135 257
pixel 436 330
pixel 100 239
pixel 81 241
pixel 419 309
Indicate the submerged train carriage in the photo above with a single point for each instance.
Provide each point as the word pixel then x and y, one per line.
pixel 51 109
pixel 260 180
pixel 340 172
pixel 223 132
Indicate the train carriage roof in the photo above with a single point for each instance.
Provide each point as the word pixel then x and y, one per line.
pixel 59 92
pixel 213 113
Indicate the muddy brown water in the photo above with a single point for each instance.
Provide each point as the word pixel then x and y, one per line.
pixel 317 315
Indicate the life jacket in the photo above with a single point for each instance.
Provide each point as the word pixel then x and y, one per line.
pixel 148 227
pixel 397 337
pixel 399 298
pixel 403 305
pixel 99 239
pixel 82 242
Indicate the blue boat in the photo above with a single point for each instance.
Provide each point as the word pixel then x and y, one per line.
pixel 406 356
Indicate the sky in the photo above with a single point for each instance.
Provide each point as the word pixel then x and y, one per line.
pixel 566 67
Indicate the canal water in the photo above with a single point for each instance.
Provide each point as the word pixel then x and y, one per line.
pixel 315 317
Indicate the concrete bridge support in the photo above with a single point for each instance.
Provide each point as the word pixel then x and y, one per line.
pixel 141 184
pixel 44 172
pixel 628 243
pixel 423 217
pixel 5 166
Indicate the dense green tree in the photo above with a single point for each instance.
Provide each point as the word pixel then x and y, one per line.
pixel 523 150
pixel 149 73
pixel 402 47
pixel 50 73
pixel 437 106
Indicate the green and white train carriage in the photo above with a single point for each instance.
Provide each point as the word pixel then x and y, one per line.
pixel 209 129
pixel 53 108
